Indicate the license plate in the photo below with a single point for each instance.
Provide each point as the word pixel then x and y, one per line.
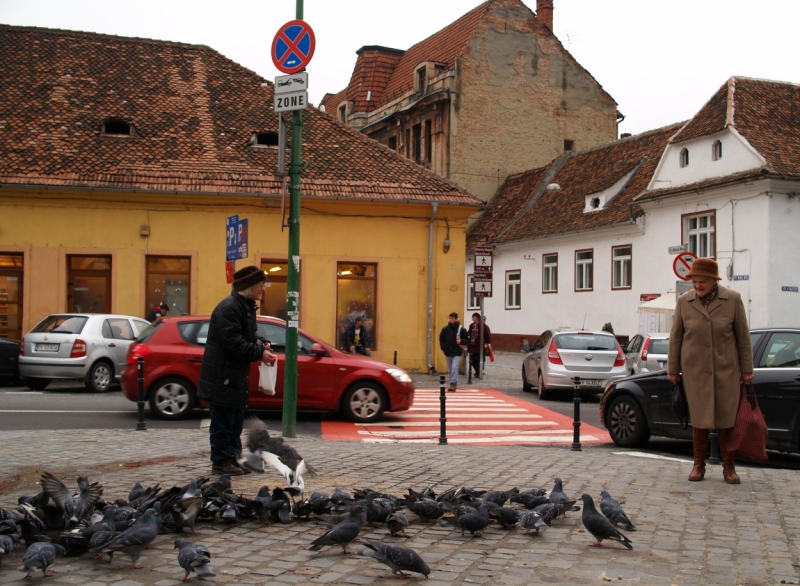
pixel 591 383
pixel 45 347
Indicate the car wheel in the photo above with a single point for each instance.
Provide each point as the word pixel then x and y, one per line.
pixel 172 398
pixel 526 386
pixel 364 402
pixel 37 384
pixel 626 422
pixel 100 377
pixel 544 392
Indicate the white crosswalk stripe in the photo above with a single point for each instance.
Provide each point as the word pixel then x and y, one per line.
pixel 474 416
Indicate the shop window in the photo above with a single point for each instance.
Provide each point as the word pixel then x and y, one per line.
pixel 168 279
pixel 11 280
pixel 273 297
pixel 513 289
pixel 356 285
pixel 89 284
pixel 699 234
pixel 584 270
pixel 550 273
pixel 621 267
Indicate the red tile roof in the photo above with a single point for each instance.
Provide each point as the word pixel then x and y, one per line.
pixel 373 69
pixel 193 111
pixel 584 173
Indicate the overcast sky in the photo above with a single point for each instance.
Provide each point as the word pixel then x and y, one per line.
pixel 661 60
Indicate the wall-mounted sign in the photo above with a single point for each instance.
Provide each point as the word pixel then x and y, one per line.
pixel 677 249
pixel 790 289
pixel 741 277
pixel 483 286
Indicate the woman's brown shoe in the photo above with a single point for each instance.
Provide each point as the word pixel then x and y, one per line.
pixel 728 469
pixel 700 448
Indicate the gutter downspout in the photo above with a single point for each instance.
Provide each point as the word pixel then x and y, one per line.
pixel 435 205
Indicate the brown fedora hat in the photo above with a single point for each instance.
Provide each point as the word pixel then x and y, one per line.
pixel 704 267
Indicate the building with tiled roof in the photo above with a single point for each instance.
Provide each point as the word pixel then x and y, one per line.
pixel 122 158
pixel 488 96
pixel 581 242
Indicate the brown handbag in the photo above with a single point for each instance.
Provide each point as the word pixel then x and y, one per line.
pixel 749 435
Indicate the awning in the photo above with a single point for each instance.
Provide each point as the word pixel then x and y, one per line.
pixel 664 304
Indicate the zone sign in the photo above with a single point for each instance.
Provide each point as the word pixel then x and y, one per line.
pixel 293 101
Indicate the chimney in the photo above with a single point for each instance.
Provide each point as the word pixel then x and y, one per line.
pixel 544 12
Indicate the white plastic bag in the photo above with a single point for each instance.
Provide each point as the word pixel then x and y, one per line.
pixel 267 377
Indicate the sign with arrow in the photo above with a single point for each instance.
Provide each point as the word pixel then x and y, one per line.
pixel 293 46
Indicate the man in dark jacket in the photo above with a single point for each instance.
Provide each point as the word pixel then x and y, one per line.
pixel 230 349
pixel 356 338
pixel 474 347
pixel 452 340
pixel 158 311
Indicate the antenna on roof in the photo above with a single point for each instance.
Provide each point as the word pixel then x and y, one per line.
pixel 583 326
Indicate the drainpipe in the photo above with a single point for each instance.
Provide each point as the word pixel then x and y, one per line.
pixel 430 285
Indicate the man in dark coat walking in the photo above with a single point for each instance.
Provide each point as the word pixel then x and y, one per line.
pixel 231 347
pixel 452 340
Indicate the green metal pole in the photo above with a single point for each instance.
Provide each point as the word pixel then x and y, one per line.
pixel 293 277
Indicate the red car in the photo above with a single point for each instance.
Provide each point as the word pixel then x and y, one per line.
pixel 328 380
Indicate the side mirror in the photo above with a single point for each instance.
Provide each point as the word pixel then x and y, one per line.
pixel 318 350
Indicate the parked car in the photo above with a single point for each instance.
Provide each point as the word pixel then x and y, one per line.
pixel 646 352
pixel 637 407
pixel 558 357
pixel 80 346
pixel 9 361
pixel 361 388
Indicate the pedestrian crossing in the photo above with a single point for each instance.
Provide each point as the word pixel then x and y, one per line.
pixel 474 416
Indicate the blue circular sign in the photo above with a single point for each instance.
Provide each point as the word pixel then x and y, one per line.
pixel 293 46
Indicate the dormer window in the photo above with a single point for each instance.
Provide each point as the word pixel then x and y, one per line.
pixel 594 203
pixel 684 157
pixel 343 113
pixel 422 79
pixel 264 139
pixel 117 127
pixel 716 150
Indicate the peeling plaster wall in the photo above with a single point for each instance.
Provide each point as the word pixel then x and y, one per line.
pixel 520 98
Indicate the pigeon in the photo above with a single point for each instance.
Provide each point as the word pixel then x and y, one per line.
pixel 342 533
pixel 320 503
pixel 613 511
pixel 396 557
pixel 397 523
pixel 40 556
pixel 258 438
pixel 531 521
pixel 599 526
pixel 550 511
pixel 499 497
pixel 136 491
pixel 74 508
pixel 530 499
pixel 341 498
pixel 474 522
pixel 194 557
pixel 135 539
pixel 100 538
pixel 428 510
pixel 506 517
pixel 7 544
pixel 557 495
pixel 294 477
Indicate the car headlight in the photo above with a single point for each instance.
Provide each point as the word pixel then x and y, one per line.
pixel 399 375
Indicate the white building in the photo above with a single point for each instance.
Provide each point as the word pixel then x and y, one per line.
pixel 583 241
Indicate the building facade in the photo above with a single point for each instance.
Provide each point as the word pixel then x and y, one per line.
pixel 490 95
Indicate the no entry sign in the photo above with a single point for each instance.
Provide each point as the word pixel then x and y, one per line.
pixel 293 46
pixel 682 264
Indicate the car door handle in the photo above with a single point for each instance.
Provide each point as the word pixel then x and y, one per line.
pixel 112 345
pixel 195 360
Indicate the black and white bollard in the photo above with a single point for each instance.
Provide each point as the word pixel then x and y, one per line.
pixel 442 412
pixel 576 418
pixel 140 425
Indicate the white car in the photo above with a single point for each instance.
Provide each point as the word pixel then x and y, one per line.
pixel 558 357
pixel 79 346
pixel 647 352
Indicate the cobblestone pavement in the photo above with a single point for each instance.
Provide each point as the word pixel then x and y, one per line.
pixel 687 533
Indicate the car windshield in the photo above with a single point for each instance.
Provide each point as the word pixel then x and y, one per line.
pixel 585 342
pixel 659 346
pixel 61 324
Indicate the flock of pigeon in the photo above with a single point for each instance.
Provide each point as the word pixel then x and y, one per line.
pixel 57 521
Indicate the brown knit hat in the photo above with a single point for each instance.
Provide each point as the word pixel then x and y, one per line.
pixel 704 267
pixel 247 277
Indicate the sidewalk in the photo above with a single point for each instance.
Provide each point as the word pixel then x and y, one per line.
pixel 687 533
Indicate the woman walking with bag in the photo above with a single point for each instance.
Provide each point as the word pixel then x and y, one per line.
pixel 710 347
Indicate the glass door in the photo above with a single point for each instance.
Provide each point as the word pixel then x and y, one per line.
pixel 89 284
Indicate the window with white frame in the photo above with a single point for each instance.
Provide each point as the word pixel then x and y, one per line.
pixel 513 282
pixel 716 150
pixel 699 234
pixel 684 157
pixel 472 301
pixel 583 270
pixel 621 267
pixel 550 273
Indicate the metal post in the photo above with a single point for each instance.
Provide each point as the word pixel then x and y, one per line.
pixel 576 423
pixel 469 367
pixel 442 412
pixel 293 277
pixel 480 341
pixel 140 425
pixel 713 447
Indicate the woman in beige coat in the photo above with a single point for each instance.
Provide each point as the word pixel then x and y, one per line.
pixel 710 347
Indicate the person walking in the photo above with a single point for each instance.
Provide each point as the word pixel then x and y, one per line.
pixel 157 311
pixel 474 346
pixel 356 338
pixel 452 340
pixel 231 347
pixel 709 348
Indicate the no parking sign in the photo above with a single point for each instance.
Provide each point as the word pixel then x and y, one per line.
pixel 683 264
pixel 293 46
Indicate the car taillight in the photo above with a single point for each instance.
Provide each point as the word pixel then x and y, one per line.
pixel 552 353
pixel 78 349
pixel 645 349
pixel 22 347
pixel 620 361
pixel 137 351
